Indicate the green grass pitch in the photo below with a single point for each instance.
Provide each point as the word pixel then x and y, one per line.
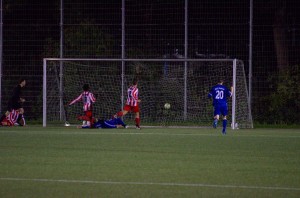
pixel 152 162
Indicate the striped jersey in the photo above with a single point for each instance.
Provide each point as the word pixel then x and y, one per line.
pixel 133 96
pixel 87 98
pixel 13 117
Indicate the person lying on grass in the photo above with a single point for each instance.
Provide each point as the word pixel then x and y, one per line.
pixel 107 124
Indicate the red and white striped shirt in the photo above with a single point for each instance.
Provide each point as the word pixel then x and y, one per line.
pixel 13 117
pixel 133 96
pixel 87 98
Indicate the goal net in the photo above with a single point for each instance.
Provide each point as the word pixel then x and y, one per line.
pixel 184 84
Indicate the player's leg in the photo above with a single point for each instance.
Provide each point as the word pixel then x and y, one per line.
pixel 137 119
pixel 4 115
pixel 18 107
pixel 95 123
pixel 216 116
pixel 215 123
pixel 84 119
pixel 224 113
pixel 3 122
pixel 87 119
pixel 20 120
pixel 6 122
pixel 119 121
pixel 120 114
pixel 125 110
pixel 89 115
pixel 8 110
pixel 224 124
pixel 11 118
pixel 123 113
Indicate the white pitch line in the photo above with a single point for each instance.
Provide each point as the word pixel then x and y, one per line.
pixel 177 134
pixel 150 183
pixel 101 132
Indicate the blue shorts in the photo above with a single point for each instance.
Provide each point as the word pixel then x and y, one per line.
pixel 221 110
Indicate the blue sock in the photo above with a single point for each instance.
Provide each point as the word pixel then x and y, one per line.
pixel 224 126
pixel 215 124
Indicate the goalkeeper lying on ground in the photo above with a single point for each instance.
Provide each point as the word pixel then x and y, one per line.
pixel 107 124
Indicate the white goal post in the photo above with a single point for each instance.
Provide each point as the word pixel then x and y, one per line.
pixel 183 83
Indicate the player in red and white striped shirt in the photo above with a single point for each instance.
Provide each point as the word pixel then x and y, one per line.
pixel 88 99
pixel 12 119
pixel 132 103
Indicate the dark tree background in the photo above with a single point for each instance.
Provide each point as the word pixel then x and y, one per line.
pixel 154 29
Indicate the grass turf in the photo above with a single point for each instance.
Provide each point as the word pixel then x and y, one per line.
pixel 152 162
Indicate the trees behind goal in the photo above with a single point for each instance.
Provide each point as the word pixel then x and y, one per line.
pixel 183 83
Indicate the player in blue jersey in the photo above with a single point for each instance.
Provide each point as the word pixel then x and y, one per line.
pixel 219 94
pixel 107 124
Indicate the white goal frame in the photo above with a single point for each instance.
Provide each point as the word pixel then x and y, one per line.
pixel 234 65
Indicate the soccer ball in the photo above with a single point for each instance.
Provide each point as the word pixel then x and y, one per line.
pixel 167 106
pixel 67 124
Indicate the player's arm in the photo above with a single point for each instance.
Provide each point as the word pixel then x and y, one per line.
pixel 92 98
pixel 76 99
pixel 209 95
pixel 231 90
pixel 135 95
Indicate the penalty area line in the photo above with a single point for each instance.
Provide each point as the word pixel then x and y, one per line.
pixel 150 183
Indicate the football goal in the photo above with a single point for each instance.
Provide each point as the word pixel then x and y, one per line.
pixel 182 83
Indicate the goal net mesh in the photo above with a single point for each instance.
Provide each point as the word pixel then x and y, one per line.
pixel 184 86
